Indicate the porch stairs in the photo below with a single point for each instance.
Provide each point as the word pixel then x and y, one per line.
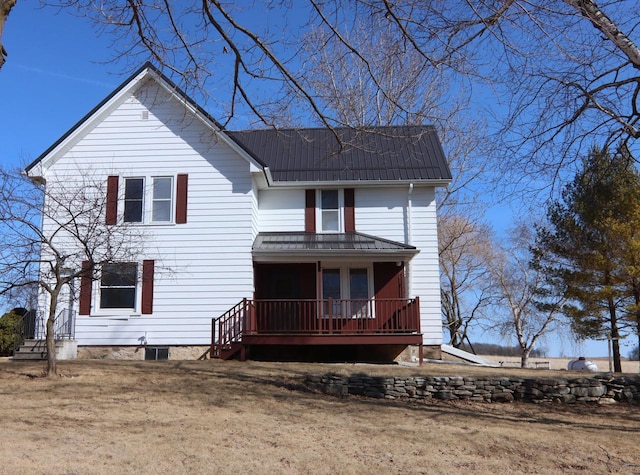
pixel 226 331
pixel 29 348
pixel 36 350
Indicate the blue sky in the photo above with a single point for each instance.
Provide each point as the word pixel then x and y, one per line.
pixel 55 73
pixel 59 68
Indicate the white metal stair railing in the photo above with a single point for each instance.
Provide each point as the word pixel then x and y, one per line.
pixel 64 327
pixel 34 328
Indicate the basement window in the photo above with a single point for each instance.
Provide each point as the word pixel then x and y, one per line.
pixel 156 353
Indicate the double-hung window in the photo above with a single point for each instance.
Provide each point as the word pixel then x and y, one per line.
pixel 330 215
pixel 133 200
pixel 120 288
pixel 118 284
pixel 162 199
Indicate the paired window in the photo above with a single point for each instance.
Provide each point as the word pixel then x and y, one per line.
pixel 156 199
pixel 349 288
pixel 160 196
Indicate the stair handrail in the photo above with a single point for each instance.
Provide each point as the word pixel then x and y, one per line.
pixel 32 325
pixel 24 327
pixel 64 326
pixel 228 327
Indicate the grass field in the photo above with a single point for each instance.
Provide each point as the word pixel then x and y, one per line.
pixel 231 417
pixel 628 366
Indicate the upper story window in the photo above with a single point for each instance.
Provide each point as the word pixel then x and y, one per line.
pixel 133 200
pixel 152 199
pixel 330 211
pixel 330 206
pixel 162 199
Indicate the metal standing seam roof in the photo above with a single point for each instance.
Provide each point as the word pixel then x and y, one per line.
pixel 303 242
pixel 374 154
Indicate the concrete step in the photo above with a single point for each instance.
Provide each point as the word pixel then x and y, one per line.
pixel 29 356
pixel 31 350
pixel 34 350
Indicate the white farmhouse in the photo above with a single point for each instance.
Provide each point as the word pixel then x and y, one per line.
pixel 276 244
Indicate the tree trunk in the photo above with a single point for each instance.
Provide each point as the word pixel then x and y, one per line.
pixel 615 337
pixel 524 358
pixel 52 367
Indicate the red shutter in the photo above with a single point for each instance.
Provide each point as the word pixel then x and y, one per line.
pixel 310 211
pixel 181 199
pixel 111 215
pixel 147 286
pixel 86 283
pixel 349 211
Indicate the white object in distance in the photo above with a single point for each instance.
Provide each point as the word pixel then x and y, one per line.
pixel 582 364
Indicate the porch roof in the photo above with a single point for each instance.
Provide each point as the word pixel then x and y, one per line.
pixel 316 246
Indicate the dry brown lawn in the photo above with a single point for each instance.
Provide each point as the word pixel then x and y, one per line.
pixel 230 417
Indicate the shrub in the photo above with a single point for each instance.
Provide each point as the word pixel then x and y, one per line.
pixel 7 330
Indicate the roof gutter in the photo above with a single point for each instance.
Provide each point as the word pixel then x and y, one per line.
pixel 363 183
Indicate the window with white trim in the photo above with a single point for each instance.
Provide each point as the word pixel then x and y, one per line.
pixel 352 287
pixel 330 207
pixel 162 199
pixel 149 199
pixel 118 286
pixel 133 200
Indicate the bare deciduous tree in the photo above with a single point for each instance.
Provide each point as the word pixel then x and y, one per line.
pixel 407 92
pixel 526 308
pixel 465 249
pixel 48 230
pixel 566 71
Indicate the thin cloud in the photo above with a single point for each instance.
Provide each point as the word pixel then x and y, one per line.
pixel 67 77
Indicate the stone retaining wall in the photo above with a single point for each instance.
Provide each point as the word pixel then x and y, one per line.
pixel 598 389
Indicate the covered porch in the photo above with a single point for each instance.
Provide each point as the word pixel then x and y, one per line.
pixel 323 297
pixel 371 330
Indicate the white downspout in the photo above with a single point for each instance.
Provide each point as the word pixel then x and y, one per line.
pixel 409 240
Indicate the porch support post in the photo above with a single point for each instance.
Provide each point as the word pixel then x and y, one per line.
pixel 421 353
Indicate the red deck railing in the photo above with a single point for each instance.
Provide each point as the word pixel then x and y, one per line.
pixel 315 317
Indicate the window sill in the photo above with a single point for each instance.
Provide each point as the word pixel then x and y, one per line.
pixel 115 315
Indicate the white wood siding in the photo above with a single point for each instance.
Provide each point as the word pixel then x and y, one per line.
pixel 384 212
pixel 203 267
pixel 281 210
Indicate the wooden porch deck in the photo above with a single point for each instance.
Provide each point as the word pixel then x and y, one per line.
pixel 299 323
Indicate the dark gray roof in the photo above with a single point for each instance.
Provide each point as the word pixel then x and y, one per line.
pixel 295 243
pixel 375 154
